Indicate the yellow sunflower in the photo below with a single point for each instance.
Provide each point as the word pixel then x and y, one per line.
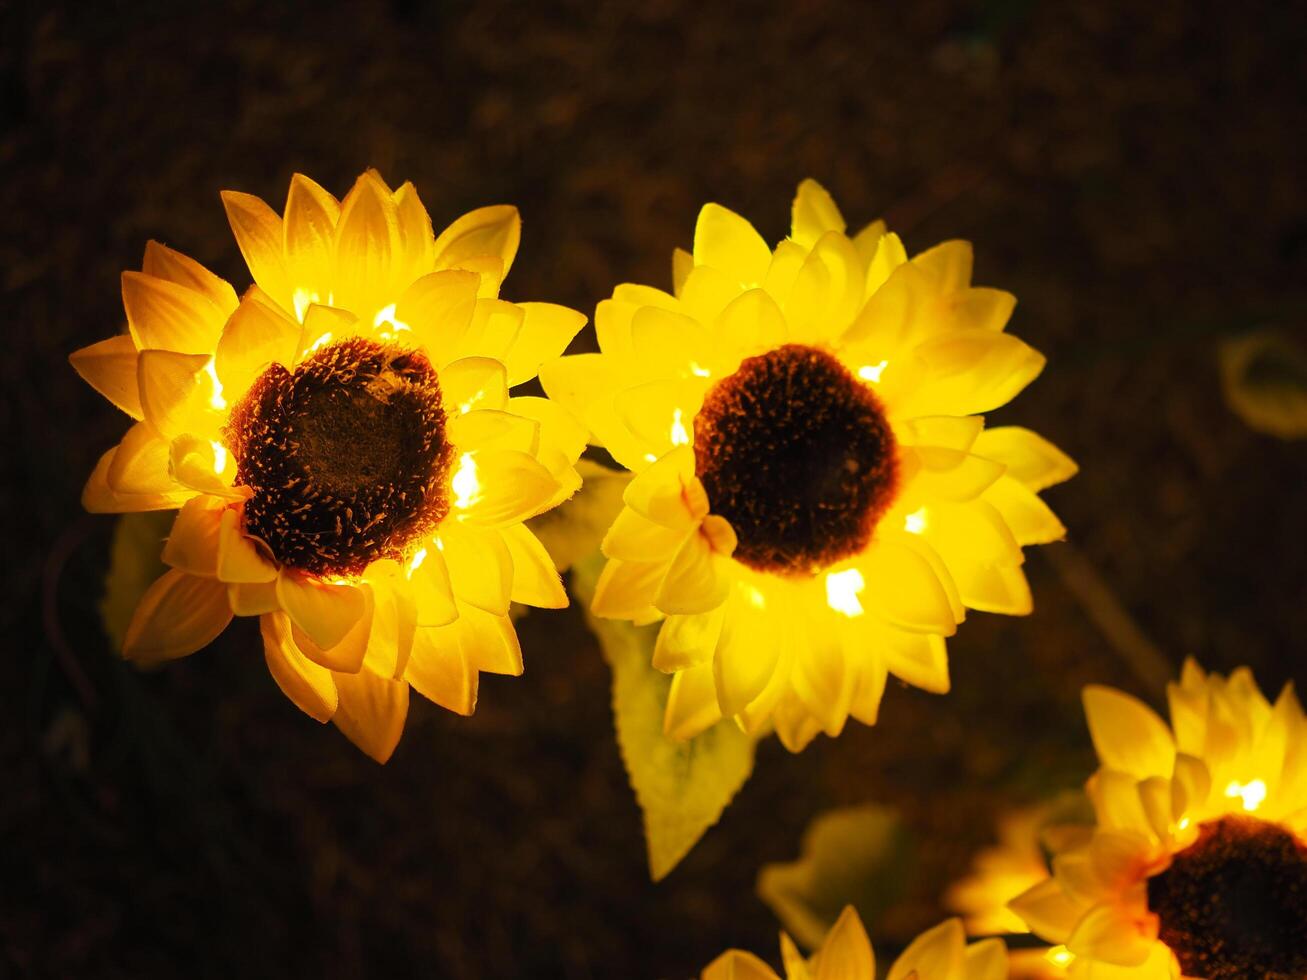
pixel 816 500
pixel 940 953
pixel 347 459
pixel 1197 865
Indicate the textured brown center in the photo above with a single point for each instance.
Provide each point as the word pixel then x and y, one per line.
pixel 346 456
pixel 1233 906
pixel 796 453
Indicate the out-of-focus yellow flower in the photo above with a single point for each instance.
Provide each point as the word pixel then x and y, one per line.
pixel 816 500
pixel 347 459
pixel 940 953
pixel 1197 864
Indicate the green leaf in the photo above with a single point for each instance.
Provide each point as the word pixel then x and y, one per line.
pixel 859 856
pixel 134 563
pixel 573 530
pixel 681 787
pixel 1264 376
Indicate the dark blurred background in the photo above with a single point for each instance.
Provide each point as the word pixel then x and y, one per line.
pixel 1133 172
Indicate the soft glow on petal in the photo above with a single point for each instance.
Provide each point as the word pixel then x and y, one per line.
pixel 842 590
pixel 872 372
pixel 916 522
pixel 322 341
pixel 680 437
pixel 1252 793
pixel 216 401
pixel 1060 956
pixel 465 483
pixel 219 456
pixel 416 561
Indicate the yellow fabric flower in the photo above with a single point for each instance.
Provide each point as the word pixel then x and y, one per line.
pixel 1000 873
pixel 940 953
pixel 1197 864
pixel 347 459
pixel 816 500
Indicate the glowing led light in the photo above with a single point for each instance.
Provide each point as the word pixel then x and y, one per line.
pixel 1060 956
pixel 324 339
pixel 650 458
pixel 219 456
pixel 1183 824
pixel 1252 793
pixel 303 299
pixel 699 371
pixel 387 315
pixel 466 483
pixel 915 523
pixel 215 398
pixel 842 590
pixel 872 372
pixel 416 561
pixel 467 406
pixel 680 437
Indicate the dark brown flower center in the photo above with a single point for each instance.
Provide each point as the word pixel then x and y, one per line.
pixel 347 456
pixel 796 453
pixel 1233 905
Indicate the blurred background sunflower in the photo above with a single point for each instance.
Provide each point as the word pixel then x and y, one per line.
pixel 1131 174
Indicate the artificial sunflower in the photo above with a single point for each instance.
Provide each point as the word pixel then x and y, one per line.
pixel 347 459
pixel 816 501
pixel 940 953
pixel 1197 865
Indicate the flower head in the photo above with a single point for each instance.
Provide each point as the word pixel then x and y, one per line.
pixel 940 953
pixel 816 501
pixel 341 442
pixel 1197 864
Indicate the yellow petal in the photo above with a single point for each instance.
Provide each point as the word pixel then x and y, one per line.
pixel 986 960
pixel 371 712
pixel 416 237
pixel 510 486
pixel 737 964
pixel 579 381
pixel 175 390
pixel 634 537
pixel 110 368
pixel 258 234
pixel 691 703
pixel 846 952
pixel 659 493
pixel 192 544
pixel 695 582
pixel 1048 910
pixel 440 670
pixel 750 324
pixel 970 371
pixel 99 497
pixel 950 263
pixel 687 641
pixel 308 685
pixel 439 308
pixel 902 587
pixel 489 641
pixel 494 429
pixel 163 262
pixel 253 599
pixel 919 659
pixel 166 316
pixel 937 952
pixel 1127 734
pixel 868 690
pixel 813 213
pixel 367 243
pixel 626 589
pixel 559 429
pixel 491 232
pixel 535 579
pixel 982 308
pixel 867 241
pixel 1107 932
pixel 480 566
pixel 823 681
pixel 493 331
pixel 546 331
pixel 194 462
pixel 178 615
pixel 727 242
pixel 140 465
pixel 324 611
pixel 433 594
pixel 669 344
pixel 948 474
pixel 394 620
pixel 474 382
pixel 1029 457
pixel 258 335
pixel 682 263
pixel 982 556
pixel 1032 521
pixel 240 560
pixel 827 292
pixel 747 652
pixel 660 414
pixel 708 291
pixel 308 232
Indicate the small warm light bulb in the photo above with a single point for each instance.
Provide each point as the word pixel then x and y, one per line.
pixel 386 315
pixel 466 484
pixel 1060 956
pixel 416 561
pixel 680 437
pixel 219 456
pixel 699 371
pixel 216 401
pixel 756 598
pixel 915 523
pixel 1251 793
pixel 872 372
pixel 842 590
pixel 320 342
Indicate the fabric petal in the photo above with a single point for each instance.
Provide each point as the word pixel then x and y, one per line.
pixel 486 232
pixel 474 382
pixel 695 582
pixel 727 242
pixel 1029 457
pixel 176 616
pixel 109 367
pixel 192 544
pixel 687 641
pixel 1127 734
pixel 535 578
pixel 240 559
pixel 902 587
pixel 546 331
pixel 166 316
pixel 480 566
pixel 371 712
pixel 495 487
pixel 846 951
pixel 813 213
pixel 259 235
pixel 691 703
pixel 175 390
pixel 440 669
pixel 163 262
pixel 258 335
pixel 309 686
pixel 324 611
pixel 937 952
